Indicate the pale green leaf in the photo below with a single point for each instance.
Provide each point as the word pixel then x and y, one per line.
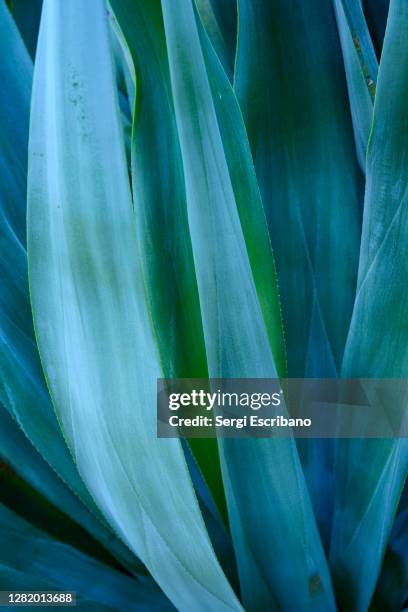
pixel 91 314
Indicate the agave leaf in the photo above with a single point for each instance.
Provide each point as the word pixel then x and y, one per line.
pixel 248 200
pixel 30 551
pixel 21 498
pixel 373 471
pixel 126 82
pixel 392 587
pixel 238 346
pixel 377 12
pixel 361 100
pixel 91 314
pixel 302 143
pixel 22 387
pixel 27 17
pixel 290 84
pixel 124 65
pixel 219 18
pixel 220 537
pixel 353 12
pixel 17 451
pixel 15 579
pixel 162 229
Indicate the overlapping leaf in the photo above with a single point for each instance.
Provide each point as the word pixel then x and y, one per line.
pixel 372 471
pixel 292 91
pixel 220 19
pixel 392 586
pixel 91 314
pixel 20 455
pixel 261 477
pixel 377 12
pixel 22 386
pixel 27 16
pixel 39 561
pixel 360 82
pixel 363 46
pixel 161 217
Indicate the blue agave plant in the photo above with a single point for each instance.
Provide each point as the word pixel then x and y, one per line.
pixel 199 189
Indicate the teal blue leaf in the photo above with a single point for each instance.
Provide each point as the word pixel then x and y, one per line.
pixel 291 87
pixel 292 91
pixel 372 472
pixel 124 67
pixel 17 452
pixel 22 387
pixel 220 538
pixel 14 579
pixel 237 344
pixel 220 20
pixel 392 587
pixel 20 497
pixel 162 229
pixel 31 552
pixel 377 12
pixel 248 200
pixel 353 12
pixel 27 17
pixel 91 313
pixel 361 100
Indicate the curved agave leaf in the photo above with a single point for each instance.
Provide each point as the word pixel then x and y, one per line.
pixel 220 537
pixel 22 386
pixel 17 580
pixel 91 315
pixel 248 201
pixel 392 587
pixel 377 342
pixel 20 497
pixel 161 217
pixel 294 101
pixel 126 82
pixel 364 49
pixel 290 84
pixel 361 100
pixel 27 17
pixel 28 550
pixel 220 19
pixel 15 104
pixel 17 451
pixel 123 62
pixel 377 13
pixel 258 490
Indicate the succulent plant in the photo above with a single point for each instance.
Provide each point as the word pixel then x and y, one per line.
pixel 199 189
